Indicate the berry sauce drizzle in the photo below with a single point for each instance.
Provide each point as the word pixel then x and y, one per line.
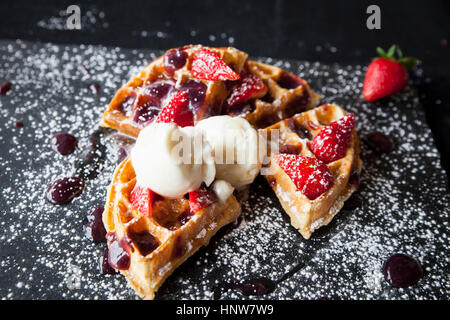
pixel 380 142
pixel 402 271
pixel 63 190
pixel 174 60
pixel 104 266
pixel 256 286
pixel 301 131
pixel 91 163
pixel 145 242
pixel 151 100
pixel 94 228
pixel 64 143
pixel 259 286
pixel 118 253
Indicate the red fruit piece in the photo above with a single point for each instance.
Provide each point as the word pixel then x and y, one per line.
pixel 312 177
pixel 142 200
pixel 208 66
pixel 248 87
pixel 384 77
pixel 201 198
pixel 177 111
pixel 388 74
pixel 331 143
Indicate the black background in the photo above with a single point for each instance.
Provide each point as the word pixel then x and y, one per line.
pixel 328 31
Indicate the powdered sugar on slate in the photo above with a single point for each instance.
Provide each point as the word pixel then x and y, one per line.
pixel 44 253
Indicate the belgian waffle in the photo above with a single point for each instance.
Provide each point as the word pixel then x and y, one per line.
pixel 295 134
pixel 138 102
pixel 156 246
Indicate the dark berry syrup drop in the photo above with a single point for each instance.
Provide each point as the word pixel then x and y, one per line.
pixel 94 228
pixel 301 131
pixel 288 81
pixel 197 93
pixel 257 286
pixel 380 142
pixel 239 109
pixel 174 60
pixel 63 190
pixel 64 143
pixel 185 217
pixel 145 242
pixel 5 87
pixel 401 270
pixel 126 106
pixel 118 253
pixel 18 124
pixel 252 287
pixel 150 101
pixel 104 266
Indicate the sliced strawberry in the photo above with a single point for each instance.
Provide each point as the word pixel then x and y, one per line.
pixel 331 143
pixel 177 111
pixel 311 176
pixel 208 66
pixel 142 200
pixel 248 87
pixel 201 198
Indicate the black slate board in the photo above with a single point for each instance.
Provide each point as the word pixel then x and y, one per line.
pixel 44 253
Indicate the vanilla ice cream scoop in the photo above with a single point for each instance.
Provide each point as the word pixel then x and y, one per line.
pixel 235 146
pixel 161 166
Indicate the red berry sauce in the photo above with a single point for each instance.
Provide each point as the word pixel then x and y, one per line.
pixel 401 270
pixel 94 228
pixel 63 190
pixel 64 143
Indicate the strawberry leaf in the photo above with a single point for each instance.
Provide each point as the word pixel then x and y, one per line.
pixel 391 51
pixel 381 52
pixel 408 62
pixel 399 52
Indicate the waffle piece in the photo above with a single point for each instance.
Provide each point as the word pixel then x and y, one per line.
pixel 287 95
pixel 295 135
pixel 138 102
pixel 148 250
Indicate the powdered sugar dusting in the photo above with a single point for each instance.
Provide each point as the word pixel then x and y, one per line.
pixel 44 253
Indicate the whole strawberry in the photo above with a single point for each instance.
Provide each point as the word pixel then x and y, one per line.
pixel 388 74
